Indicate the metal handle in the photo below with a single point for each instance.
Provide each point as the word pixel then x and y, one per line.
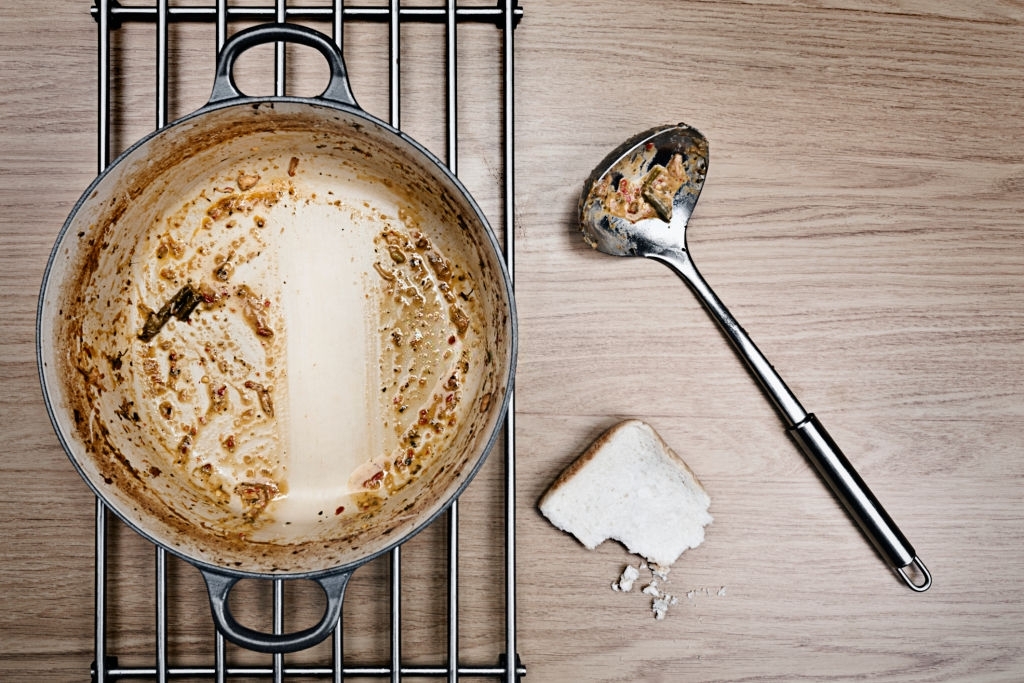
pixel 219 587
pixel 224 88
pixel 815 442
pixel 859 502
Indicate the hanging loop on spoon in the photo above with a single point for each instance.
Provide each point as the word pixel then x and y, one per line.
pixel 926 578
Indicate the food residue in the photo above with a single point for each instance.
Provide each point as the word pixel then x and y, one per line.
pixel 655 580
pixel 649 196
pixel 201 347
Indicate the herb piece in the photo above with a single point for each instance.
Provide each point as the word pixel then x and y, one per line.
pixel 180 306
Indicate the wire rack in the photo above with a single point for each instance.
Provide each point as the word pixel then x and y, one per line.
pixel 337 665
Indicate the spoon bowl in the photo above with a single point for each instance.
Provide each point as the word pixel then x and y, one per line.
pixel 637 202
pixel 639 198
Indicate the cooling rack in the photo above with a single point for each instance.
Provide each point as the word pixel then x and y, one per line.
pixel 223 661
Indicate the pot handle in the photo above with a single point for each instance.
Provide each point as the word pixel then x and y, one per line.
pixel 224 88
pixel 219 587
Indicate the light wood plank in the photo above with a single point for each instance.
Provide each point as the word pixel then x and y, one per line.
pixel 864 220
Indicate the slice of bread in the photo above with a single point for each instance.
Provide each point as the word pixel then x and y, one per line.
pixel 631 487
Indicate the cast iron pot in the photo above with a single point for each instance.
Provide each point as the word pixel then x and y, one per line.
pixel 277 337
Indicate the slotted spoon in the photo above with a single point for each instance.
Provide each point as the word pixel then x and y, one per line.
pixel 637 202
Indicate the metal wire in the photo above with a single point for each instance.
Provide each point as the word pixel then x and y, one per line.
pixel 452 159
pixel 496 15
pixel 508 69
pixel 162 90
pixel 505 15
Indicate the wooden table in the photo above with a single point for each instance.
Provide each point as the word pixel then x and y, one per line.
pixel 863 218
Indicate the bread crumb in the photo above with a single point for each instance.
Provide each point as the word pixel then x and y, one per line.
pixel 706 591
pixel 660 605
pixel 625 583
pixel 655 576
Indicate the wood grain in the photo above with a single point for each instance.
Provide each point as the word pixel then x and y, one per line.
pixel 863 218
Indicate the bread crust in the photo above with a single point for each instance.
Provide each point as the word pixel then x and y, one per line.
pixel 601 442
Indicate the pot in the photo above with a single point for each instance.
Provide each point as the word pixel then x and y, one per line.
pixel 277 337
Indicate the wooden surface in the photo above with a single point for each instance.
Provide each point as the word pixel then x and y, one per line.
pixel 863 218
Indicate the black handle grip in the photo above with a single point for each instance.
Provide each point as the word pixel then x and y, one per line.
pixel 219 587
pixel 224 88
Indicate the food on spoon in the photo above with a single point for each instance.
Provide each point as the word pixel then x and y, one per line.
pixel 630 486
pixel 660 185
pixel 635 197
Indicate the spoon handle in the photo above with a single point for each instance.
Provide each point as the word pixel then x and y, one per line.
pixel 859 502
pixel 809 434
